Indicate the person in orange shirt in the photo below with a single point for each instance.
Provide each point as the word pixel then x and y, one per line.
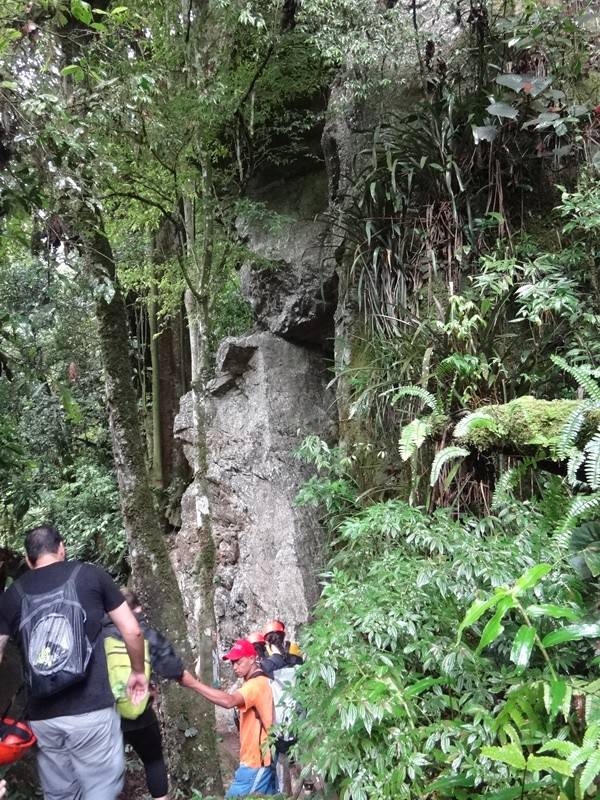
pixel 256 773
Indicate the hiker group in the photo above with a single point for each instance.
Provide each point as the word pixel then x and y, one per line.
pixel 89 661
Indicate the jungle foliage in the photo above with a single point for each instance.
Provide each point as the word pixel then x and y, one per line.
pixel 452 654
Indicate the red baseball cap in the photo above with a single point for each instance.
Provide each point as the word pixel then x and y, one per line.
pixel 241 649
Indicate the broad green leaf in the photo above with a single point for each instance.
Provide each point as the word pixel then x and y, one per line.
pixel 550 610
pixel 478 609
pixel 508 754
pixel 82 11
pixel 494 627
pixel 74 70
pixel 549 764
pixel 572 633
pixel 590 771
pixel 554 695
pixel 12 85
pixel 420 686
pixel 533 576
pixel 522 646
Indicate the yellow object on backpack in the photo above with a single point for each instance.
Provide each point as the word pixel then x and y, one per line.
pixel 119 670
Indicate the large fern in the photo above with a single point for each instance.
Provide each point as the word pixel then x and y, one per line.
pixel 442 458
pixel 426 397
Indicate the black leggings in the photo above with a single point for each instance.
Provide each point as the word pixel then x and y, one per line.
pixel 147 744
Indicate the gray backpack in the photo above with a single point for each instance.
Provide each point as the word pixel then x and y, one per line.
pixel 56 648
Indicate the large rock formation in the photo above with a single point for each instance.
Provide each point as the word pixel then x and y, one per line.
pixel 294 293
pixel 267 395
pixel 270 390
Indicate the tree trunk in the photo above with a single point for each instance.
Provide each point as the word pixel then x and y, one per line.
pixel 157 472
pixel 190 720
pixel 197 307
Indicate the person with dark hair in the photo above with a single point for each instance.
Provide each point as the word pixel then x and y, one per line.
pixel 143 733
pixel 258 640
pixel 254 699
pixel 55 613
pixel 279 652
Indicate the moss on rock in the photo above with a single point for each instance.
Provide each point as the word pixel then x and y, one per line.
pixel 526 424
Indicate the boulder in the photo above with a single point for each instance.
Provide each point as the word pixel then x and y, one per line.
pixel 268 551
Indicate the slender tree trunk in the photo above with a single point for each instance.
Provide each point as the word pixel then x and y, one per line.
pixel 190 720
pixel 197 307
pixel 157 472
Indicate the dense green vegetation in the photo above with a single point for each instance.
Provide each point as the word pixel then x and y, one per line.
pixel 450 655
pixel 452 651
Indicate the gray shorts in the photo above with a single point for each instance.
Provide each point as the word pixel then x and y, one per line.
pixel 80 757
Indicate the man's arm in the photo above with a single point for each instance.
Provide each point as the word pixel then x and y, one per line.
pixel 133 637
pixel 3 641
pixel 216 696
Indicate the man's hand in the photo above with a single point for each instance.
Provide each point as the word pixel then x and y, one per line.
pixel 137 687
pixel 2 788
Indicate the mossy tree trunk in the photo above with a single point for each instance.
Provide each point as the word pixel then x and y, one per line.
pixel 193 756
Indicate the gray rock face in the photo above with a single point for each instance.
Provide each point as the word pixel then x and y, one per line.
pixel 296 296
pixel 268 552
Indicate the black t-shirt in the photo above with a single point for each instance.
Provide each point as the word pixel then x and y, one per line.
pixel 98 594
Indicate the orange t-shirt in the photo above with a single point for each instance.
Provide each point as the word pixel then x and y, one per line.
pixel 257 695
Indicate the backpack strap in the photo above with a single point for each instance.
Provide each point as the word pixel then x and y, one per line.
pixel 75 573
pixel 15 730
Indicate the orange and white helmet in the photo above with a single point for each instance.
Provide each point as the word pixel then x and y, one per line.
pixel 256 637
pixel 275 626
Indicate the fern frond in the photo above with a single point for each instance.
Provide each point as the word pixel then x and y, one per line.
pixel 581 375
pixel 424 396
pixel 592 461
pixel 572 428
pixel 576 459
pixel 473 421
pixel 412 437
pixel 442 458
pixel 579 506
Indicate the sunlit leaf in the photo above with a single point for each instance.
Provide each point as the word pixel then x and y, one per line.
pixel 523 646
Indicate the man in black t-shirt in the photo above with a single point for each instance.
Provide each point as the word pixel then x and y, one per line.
pixel 80 748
